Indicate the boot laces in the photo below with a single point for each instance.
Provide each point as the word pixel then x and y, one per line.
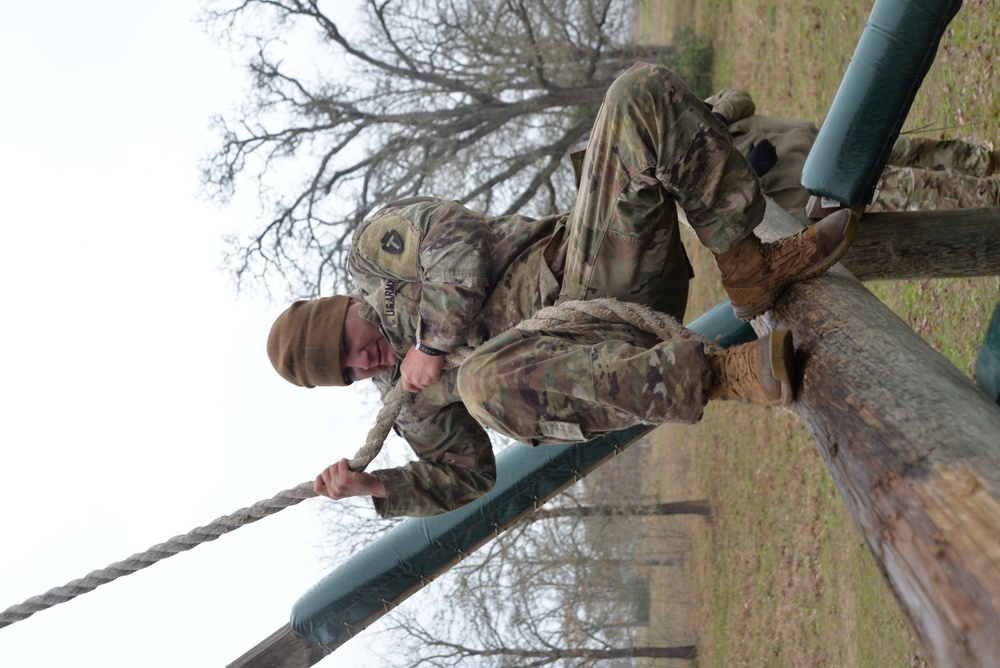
pixel 785 245
pixel 739 368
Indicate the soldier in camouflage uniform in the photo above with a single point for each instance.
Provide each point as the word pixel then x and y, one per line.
pixel 921 173
pixel 930 174
pixel 433 276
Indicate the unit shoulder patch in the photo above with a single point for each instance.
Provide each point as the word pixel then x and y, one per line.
pixel 393 244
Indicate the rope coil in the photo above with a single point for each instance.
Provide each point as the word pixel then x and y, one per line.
pixel 603 309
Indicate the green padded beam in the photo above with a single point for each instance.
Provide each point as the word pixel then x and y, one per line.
pixel 988 360
pixel 894 53
pixel 399 563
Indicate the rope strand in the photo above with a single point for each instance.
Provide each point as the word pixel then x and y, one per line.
pixel 159 552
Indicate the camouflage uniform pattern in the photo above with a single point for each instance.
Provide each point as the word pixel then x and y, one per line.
pixel 456 277
pixel 916 189
pixel 574 383
pixel 792 139
pixel 436 271
pixel 921 173
pixel 938 174
pixel 953 154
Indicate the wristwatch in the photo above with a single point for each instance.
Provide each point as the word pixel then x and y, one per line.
pixel 427 350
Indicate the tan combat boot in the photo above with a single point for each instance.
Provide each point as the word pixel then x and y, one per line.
pixel 759 372
pixel 755 273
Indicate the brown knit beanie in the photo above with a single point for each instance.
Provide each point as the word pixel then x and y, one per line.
pixel 305 341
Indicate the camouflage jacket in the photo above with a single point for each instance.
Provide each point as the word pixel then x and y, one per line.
pixel 435 271
pixel 792 139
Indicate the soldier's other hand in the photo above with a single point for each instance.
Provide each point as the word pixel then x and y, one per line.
pixel 338 481
pixel 762 157
pixel 420 370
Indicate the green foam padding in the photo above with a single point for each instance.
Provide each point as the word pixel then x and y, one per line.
pixel 988 360
pixel 896 49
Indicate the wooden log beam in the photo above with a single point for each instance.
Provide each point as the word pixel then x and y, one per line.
pixel 914 448
pixel 282 649
pixel 955 243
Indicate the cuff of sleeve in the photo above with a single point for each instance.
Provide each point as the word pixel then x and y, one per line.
pixel 445 339
pixel 398 491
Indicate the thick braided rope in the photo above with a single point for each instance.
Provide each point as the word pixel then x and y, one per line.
pixel 605 309
pixel 611 310
pixel 392 403
pixel 141 560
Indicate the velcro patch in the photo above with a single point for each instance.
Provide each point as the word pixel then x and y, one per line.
pixel 393 245
pixel 564 431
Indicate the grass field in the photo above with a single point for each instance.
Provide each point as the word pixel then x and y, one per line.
pixel 782 577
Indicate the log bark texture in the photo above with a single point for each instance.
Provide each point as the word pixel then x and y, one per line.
pixel 955 243
pixel 914 448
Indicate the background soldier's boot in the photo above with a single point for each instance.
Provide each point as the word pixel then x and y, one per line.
pixel 755 273
pixel 759 372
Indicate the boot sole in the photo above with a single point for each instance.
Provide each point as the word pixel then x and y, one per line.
pixel 781 351
pixel 754 308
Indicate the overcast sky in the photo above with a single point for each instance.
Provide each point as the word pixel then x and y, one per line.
pixel 138 399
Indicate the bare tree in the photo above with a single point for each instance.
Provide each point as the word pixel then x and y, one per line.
pixel 541 595
pixel 475 100
pixel 456 654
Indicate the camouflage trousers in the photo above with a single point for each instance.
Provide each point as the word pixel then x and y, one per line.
pixel 930 174
pixel 654 144
pixel 945 154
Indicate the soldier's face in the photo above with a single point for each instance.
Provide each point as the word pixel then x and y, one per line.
pixel 366 352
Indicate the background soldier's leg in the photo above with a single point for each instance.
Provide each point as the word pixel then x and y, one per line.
pixel 954 154
pixel 907 189
pixel 573 386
